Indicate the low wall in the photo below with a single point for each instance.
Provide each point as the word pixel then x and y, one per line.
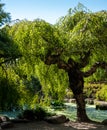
pixel 101 105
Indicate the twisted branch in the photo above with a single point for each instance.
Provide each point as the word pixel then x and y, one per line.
pixel 93 69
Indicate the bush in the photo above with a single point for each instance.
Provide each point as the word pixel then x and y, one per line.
pixel 57 104
pixel 102 94
pixel 40 113
pixel 91 89
pixel 69 94
pixel 27 114
pixel 96 91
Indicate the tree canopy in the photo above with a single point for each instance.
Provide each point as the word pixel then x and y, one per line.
pixel 80 36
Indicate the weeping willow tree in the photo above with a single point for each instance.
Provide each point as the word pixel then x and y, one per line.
pixel 76 44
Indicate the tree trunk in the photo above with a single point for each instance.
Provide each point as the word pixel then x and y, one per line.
pixel 76 85
pixel 81 111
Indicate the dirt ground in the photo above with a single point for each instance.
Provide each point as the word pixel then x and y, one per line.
pixel 42 125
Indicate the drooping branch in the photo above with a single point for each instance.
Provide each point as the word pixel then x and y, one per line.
pixel 5 61
pixel 93 69
pixel 8 59
pixel 57 50
pixel 4 69
pixel 85 59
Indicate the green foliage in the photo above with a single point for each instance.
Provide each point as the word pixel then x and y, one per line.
pixel 69 21
pixel 98 76
pixel 102 93
pixel 39 113
pixel 30 91
pixel 96 90
pixel 54 82
pixel 72 36
pixel 4 16
pixel 9 95
pixel 69 94
pixel 55 104
pixel 82 29
pixel 39 37
pixel 8 49
pixel 91 89
pixel 30 42
pixel 27 114
pixel 32 85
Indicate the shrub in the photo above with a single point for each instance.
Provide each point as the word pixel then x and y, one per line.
pixel 57 104
pixel 102 94
pixel 40 113
pixel 69 94
pixel 91 89
pixel 27 114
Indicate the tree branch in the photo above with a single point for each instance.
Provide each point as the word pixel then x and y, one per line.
pixel 55 59
pixel 51 59
pixel 93 69
pixel 62 65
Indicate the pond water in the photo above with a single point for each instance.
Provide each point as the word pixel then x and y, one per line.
pixel 10 114
pixel 70 112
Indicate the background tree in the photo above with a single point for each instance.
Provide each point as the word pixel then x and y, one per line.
pixel 9 52
pixel 76 44
pixel 4 16
pixel 8 49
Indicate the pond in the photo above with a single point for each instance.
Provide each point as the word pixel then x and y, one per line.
pixel 70 112
pixel 10 114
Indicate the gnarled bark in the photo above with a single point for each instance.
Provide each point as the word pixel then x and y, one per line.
pixel 77 84
pixel 81 111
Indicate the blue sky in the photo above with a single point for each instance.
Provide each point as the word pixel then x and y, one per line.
pixel 49 10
